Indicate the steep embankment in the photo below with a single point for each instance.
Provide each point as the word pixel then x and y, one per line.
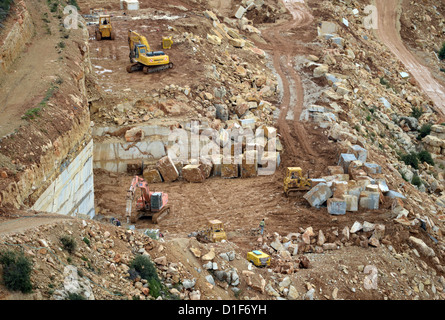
pixel 388 33
pixel 45 115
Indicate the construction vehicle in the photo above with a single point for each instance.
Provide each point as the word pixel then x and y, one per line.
pixel 149 204
pixel 258 258
pixel 142 58
pixel 213 232
pixel 104 29
pixel 167 43
pixel 294 180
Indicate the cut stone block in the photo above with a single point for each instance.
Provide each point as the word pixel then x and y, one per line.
pixel 372 168
pixel 229 169
pixel 152 176
pixel 249 165
pixel 345 160
pixel 359 152
pixel 167 169
pixel 318 195
pixel 216 162
pixel 351 202
pixel 336 206
pixel 333 170
pixel 193 173
pixel 317 181
pixel 339 188
pixel 369 200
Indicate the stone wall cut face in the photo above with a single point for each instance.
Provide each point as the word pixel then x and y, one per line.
pixel 72 192
pixel 20 34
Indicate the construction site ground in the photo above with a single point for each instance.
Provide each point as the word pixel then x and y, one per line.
pixel 239 203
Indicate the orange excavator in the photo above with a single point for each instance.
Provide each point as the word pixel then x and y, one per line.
pixel 149 204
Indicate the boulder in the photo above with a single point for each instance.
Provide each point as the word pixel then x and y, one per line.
pixel 192 173
pixel 336 206
pixel 167 168
pixel 134 135
pixel 318 195
pixel 152 175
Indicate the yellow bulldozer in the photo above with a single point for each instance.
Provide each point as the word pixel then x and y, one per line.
pixel 104 29
pixel 214 232
pixel 295 181
pixel 142 58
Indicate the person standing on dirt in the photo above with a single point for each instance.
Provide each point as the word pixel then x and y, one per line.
pixel 262 225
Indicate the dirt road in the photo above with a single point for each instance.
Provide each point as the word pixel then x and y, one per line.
pixel 283 50
pixel 389 35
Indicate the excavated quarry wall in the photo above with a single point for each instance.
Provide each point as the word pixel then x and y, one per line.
pixel 62 181
pixel 21 33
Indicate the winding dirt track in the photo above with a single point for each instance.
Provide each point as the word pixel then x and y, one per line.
pixel 283 48
pixel 388 34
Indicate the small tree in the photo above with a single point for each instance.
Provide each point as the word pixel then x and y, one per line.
pixel 411 160
pixel 69 244
pixel 16 271
pixel 425 156
pixel 442 52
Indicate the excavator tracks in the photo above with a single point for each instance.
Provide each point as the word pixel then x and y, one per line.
pixel 146 69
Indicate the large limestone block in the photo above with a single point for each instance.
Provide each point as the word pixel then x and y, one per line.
pixel 318 195
pixel 336 206
pixel 152 175
pixel 229 169
pixel 167 168
pixel 193 173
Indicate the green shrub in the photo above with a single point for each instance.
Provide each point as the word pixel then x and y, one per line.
pixel 75 296
pixel 87 241
pixel 442 52
pixel 69 244
pixel 417 112
pixel 16 271
pixel 425 156
pixel 416 181
pixel 424 131
pixel 411 160
pixel 144 267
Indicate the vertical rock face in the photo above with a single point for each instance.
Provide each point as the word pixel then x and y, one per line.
pixel 72 192
pixel 20 33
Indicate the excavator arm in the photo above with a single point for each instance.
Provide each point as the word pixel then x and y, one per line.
pixel 136 183
pixel 135 38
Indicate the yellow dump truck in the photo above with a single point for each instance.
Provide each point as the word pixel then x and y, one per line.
pixel 258 258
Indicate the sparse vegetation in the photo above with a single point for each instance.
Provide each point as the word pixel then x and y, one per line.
pixel 416 181
pixel 442 52
pixel 16 271
pixel 69 244
pixel 425 156
pixel 424 131
pixel 75 296
pixel 417 112
pixel 5 6
pixel 142 266
pixel 411 160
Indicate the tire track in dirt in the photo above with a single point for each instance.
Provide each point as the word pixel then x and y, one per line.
pixel 283 48
pixel 387 32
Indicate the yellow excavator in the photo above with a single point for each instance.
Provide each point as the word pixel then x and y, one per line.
pixel 104 30
pixel 142 58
